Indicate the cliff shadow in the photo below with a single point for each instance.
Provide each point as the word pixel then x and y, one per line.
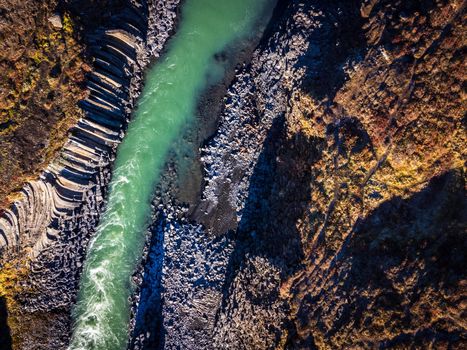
pixel 148 332
pixel 279 193
pixel 423 236
pixel 278 196
pixel 338 41
pixel 91 14
pixel 5 333
pixel 403 263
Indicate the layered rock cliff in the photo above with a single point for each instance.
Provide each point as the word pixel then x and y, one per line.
pixel 50 224
pixel 43 67
pixel 119 52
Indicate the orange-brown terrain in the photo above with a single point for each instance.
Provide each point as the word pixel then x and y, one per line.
pixel 42 74
pixel 353 234
pixel 383 231
pixel 41 80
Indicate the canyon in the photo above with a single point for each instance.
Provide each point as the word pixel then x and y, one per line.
pixel 315 201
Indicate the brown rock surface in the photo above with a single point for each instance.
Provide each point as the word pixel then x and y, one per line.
pixel 41 76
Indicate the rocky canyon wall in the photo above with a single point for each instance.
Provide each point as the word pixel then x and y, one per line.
pixel 47 228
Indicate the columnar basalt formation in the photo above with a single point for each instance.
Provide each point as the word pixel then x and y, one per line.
pixel 119 56
pixel 43 66
pixel 332 210
pixel 60 189
pixel 58 213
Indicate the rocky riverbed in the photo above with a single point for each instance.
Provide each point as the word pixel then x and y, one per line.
pixel 320 202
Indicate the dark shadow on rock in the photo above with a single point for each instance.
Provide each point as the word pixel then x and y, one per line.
pixel 273 25
pixel 279 187
pixel 421 236
pixel 428 227
pixel 419 239
pixel 279 191
pixel 278 195
pixel 149 332
pixel 338 39
pixel 92 14
pixel 5 334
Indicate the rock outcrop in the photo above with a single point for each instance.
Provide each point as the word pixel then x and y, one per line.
pixel 42 68
pixel 119 56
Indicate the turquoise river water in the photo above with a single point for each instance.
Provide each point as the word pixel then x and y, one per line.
pixel 166 106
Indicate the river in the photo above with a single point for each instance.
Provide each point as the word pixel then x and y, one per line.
pixel 166 107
